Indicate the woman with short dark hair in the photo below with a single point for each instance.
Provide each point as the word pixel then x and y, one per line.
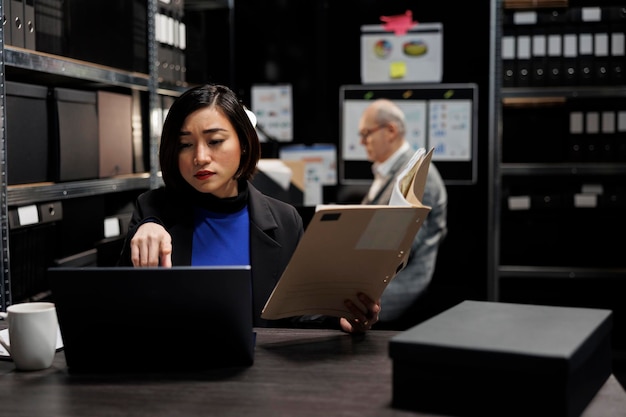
pixel 209 213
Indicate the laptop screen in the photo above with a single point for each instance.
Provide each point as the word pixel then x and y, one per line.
pixel 124 319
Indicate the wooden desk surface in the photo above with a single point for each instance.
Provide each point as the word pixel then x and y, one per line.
pixel 296 373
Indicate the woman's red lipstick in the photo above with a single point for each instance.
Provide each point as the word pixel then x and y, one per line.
pixel 203 175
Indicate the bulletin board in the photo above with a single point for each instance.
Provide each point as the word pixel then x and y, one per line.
pixel 439 116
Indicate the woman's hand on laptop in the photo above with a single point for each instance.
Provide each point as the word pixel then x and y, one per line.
pixel 362 321
pixel 151 246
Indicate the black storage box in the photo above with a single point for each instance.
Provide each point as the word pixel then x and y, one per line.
pixel 49 32
pixel 107 32
pixel 503 359
pixel 74 119
pixel 27 133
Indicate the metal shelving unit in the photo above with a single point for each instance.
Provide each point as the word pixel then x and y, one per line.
pixel 540 174
pixel 46 68
pixel 5 281
pixel 495 129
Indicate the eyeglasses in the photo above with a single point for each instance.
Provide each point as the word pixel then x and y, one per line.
pixel 365 133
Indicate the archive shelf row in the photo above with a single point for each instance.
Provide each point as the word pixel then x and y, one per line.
pixel 24 65
pixel 557 152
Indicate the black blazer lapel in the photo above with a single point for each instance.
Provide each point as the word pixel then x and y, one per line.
pixel 264 251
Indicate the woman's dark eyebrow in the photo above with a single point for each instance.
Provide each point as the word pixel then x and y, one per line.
pixel 205 131
pixel 213 130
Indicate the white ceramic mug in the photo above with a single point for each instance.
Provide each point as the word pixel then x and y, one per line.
pixel 33 331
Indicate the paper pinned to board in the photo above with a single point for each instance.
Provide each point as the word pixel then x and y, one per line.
pixel 414 57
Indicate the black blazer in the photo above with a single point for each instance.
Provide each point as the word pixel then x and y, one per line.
pixel 275 230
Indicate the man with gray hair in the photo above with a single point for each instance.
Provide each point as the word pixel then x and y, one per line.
pixel 382 130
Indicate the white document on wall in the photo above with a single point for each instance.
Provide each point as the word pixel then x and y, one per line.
pixel 273 108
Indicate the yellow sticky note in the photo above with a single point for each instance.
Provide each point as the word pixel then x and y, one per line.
pixel 397 69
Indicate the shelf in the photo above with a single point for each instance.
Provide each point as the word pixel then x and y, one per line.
pixel 44 68
pixel 169 89
pixel 534 4
pixel 560 272
pixel 65 69
pixel 556 169
pixel 51 70
pixel 556 241
pixel 35 193
pixel 566 91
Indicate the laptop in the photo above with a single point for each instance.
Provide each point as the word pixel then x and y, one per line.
pixel 135 320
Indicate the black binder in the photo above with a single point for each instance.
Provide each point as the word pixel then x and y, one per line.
pixel 619 145
pixel 552 21
pixel 601 66
pixel 49 17
pixel 607 138
pixel 509 58
pixel 586 70
pixel 29 24
pixel 523 50
pixel 17 23
pixel 99 31
pixel 539 58
pixel 554 60
pixel 509 55
pixel 576 135
pixel 617 55
pixel 570 57
pixel 6 21
pixel 592 138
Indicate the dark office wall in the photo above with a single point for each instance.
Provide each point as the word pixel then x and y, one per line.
pixel 314 45
pixel 209 52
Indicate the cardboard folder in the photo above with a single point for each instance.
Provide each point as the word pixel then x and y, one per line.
pixel 115 134
pixel 347 249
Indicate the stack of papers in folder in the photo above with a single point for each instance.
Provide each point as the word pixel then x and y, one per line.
pixel 347 249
